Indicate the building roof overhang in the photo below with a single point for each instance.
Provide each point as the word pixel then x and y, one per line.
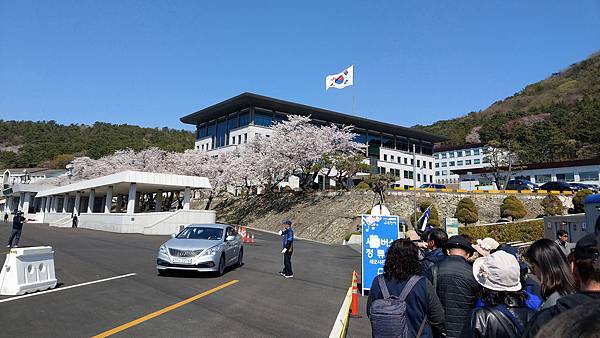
pixel 246 100
pixel 145 182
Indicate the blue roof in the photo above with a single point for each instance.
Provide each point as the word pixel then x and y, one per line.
pixel 592 199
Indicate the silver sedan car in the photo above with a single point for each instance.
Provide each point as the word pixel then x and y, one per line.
pixel 201 247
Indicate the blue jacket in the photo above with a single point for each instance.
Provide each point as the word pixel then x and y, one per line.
pixel 287 239
pixel 431 258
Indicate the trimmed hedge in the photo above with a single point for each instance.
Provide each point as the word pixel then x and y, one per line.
pixel 509 232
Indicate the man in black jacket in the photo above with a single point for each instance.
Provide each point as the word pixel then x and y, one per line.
pixel 435 240
pixel 454 283
pixel 586 268
pixel 17 227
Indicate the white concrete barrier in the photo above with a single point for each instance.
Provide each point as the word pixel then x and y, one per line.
pixel 27 270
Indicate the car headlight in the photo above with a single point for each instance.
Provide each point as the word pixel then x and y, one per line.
pixel 211 251
pixel 163 249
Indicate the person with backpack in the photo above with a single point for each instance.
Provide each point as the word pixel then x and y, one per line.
pixel 505 314
pixel 402 303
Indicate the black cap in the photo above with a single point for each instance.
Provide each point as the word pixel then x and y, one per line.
pixel 287 221
pixel 458 241
pixel 587 248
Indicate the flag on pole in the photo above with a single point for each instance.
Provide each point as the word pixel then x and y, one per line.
pixel 340 80
pixel 424 218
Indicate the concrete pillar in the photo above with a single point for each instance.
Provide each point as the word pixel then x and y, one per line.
pixel 131 198
pixel 21 199
pixel 186 198
pixel 65 203
pixel 26 201
pixel 108 200
pixel 137 202
pixel 92 197
pixel 77 203
pixel 159 201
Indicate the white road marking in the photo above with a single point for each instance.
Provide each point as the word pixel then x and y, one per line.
pixel 65 288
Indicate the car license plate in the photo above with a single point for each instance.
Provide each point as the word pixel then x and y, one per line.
pixel 182 260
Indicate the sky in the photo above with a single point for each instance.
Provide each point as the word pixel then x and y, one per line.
pixel 149 63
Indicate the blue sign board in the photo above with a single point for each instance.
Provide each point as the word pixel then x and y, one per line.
pixel 378 233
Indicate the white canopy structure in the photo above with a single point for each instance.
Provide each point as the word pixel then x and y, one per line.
pixel 114 203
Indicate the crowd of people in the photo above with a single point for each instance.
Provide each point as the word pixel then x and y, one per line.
pixel 452 287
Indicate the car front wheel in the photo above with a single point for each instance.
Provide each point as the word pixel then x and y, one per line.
pixel 221 266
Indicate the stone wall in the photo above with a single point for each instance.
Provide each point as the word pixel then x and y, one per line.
pixel 328 217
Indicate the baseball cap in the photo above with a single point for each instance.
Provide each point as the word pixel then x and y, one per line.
pixel 458 241
pixel 499 272
pixel 587 248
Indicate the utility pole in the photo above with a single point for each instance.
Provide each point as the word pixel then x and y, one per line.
pixel 415 184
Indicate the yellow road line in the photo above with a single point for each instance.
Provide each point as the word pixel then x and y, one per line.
pixel 165 310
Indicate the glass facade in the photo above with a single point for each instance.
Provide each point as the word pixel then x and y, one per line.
pixel 218 131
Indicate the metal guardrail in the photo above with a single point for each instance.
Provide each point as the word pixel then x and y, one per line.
pixel 464 191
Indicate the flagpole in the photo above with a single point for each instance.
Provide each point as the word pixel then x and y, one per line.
pixel 353 93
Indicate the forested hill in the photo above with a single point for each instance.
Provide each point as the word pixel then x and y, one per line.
pixel 48 144
pixel 551 120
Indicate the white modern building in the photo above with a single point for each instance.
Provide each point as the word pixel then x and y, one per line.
pixel 450 159
pixel 584 171
pixel 240 119
pixel 126 202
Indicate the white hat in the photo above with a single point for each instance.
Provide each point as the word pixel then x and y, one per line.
pixel 488 244
pixel 498 271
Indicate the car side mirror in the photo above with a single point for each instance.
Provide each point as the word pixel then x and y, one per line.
pixel 229 238
pixel 173 235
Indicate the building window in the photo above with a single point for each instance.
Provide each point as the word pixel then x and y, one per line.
pixel 437 173
pixel 385 157
pixel 418 163
pixel 588 176
pixel 419 177
pixel 459 162
pixel 410 175
pixel 542 178
pixel 567 177
pixel 443 155
pixel 451 154
pixel 430 165
pixel 444 164
pixel 476 161
pixel 388 141
pixel 467 162
pixel 392 158
pixel 239 139
pixel 244 118
pixel 486 160
pixel 437 165
pixel 451 164
pixel 444 172
pixel 405 160
pixel 245 137
pixel 406 174
pixel 412 161
pixel 476 151
pixel 262 119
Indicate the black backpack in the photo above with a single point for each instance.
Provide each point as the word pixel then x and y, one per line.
pixel 388 315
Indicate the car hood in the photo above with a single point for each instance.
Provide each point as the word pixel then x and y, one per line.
pixel 191 244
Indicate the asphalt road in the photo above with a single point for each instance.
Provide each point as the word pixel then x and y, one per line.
pixel 261 303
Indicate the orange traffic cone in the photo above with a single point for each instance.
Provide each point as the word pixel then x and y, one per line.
pixel 354 306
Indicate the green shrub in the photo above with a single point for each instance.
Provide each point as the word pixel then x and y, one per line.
pixel 578 200
pixel 364 186
pixel 466 211
pixel 512 207
pixel 508 232
pixel 552 205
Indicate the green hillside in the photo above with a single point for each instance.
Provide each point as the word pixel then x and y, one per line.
pixel 46 143
pixel 551 120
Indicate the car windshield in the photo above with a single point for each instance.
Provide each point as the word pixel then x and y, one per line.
pixel 201 233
